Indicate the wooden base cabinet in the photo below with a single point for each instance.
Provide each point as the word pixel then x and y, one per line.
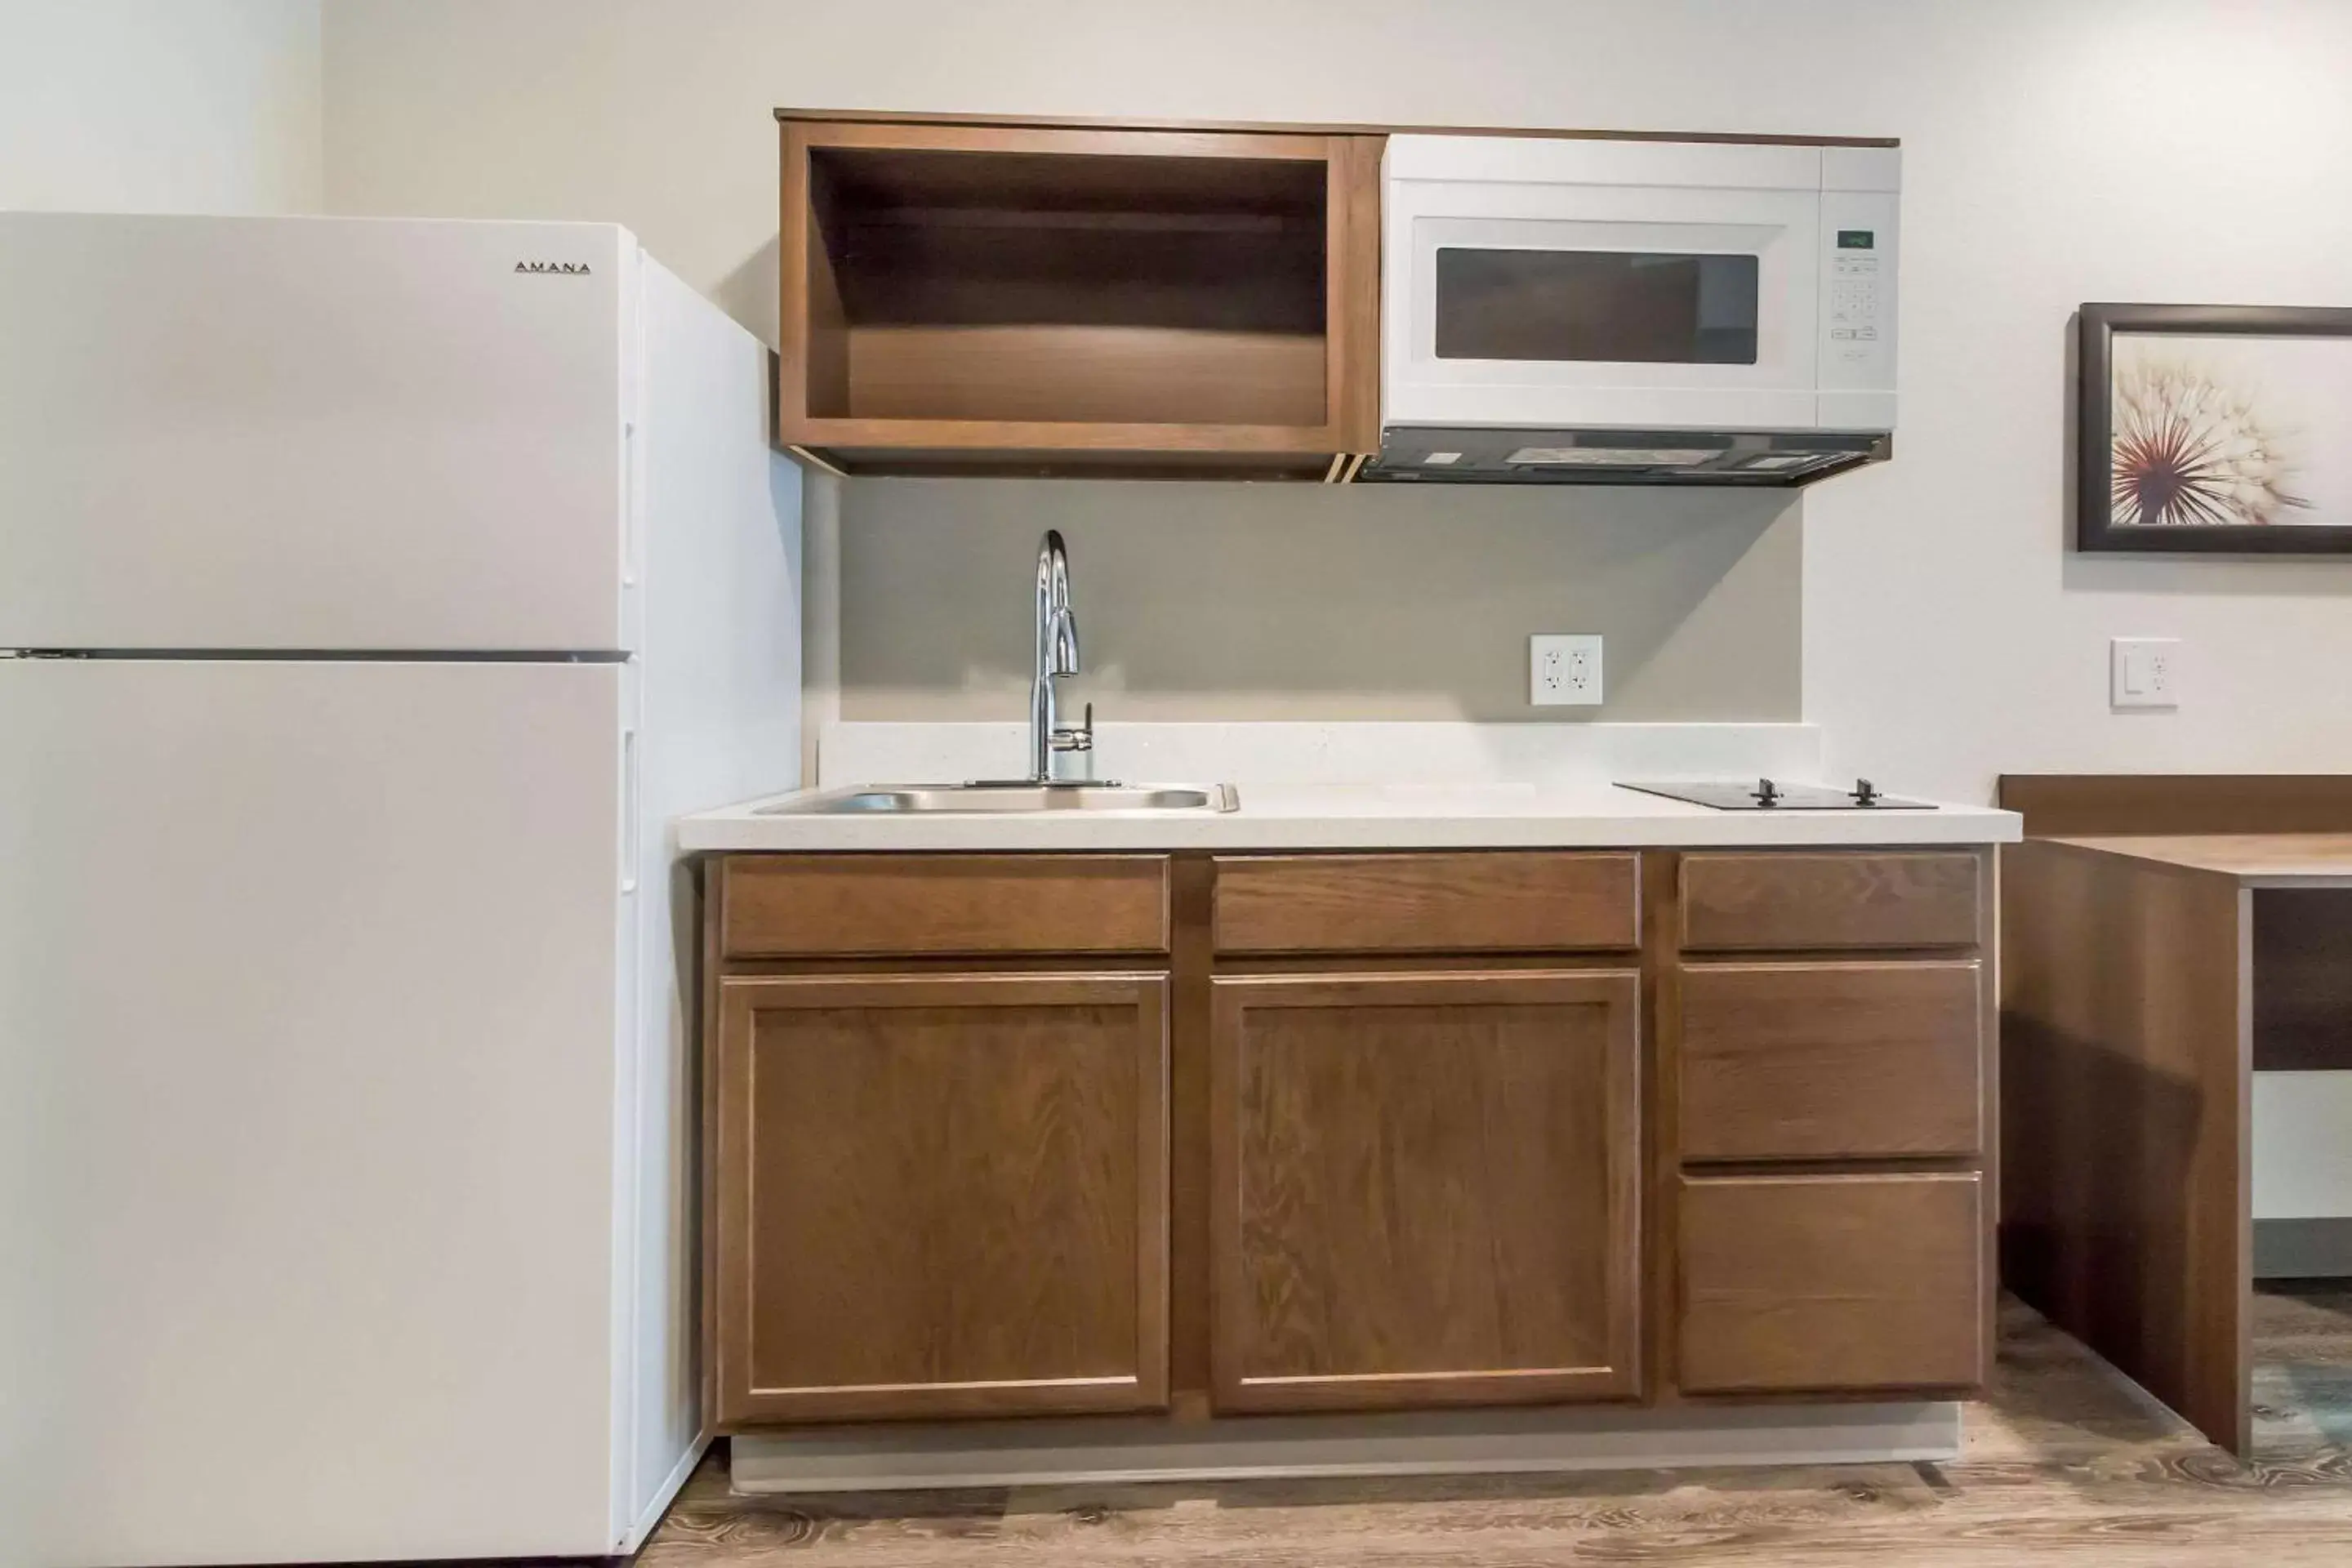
pixel 1423 1189
pixel 941 1195
pixel 1003 1135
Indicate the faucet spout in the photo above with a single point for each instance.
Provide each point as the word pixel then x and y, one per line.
pixel 1057 658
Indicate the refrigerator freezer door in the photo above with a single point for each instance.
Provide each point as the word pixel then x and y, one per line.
pixel 312 433
pixel 311 998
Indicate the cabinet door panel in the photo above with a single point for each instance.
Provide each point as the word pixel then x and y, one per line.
pixel 941 1195
pixel 1424 1189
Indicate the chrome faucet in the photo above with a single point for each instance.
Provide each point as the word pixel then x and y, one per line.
pixel 1054 748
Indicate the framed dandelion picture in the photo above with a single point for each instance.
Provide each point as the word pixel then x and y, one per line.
pixel 2215 427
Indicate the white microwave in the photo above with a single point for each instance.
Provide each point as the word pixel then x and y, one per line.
pixel 1636 312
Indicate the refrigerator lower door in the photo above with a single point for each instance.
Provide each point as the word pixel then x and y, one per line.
pixel 308 1002
pixel 309 433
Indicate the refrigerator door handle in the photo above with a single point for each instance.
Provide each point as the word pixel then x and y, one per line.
pixel 631 830
pixel 632 502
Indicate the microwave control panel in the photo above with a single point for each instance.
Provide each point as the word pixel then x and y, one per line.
pixel 1854 299
pixel 1855 351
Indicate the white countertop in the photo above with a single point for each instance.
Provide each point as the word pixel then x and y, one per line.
pixel 1355 817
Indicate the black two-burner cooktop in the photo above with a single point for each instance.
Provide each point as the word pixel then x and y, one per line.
pixel 1765 794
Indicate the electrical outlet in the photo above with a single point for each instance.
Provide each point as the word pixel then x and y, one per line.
pixel 2144 672
pixel 1563 670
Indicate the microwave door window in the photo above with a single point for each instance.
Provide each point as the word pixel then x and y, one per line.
pixel 1615 306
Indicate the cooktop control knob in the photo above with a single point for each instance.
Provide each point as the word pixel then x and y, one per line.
pixel 1864 792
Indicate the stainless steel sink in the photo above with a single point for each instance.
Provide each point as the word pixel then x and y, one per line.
pixel 1009 798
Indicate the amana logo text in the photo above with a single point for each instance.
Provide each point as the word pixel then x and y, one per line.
pixel 579 267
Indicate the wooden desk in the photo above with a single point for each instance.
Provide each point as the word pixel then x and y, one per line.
pixel 2257 860
pixel 2144 978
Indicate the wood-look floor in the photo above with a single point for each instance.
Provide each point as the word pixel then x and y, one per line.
pixel 2064 1463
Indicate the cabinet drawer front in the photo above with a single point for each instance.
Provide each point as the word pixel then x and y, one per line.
pixel 1821 1061
pixel 1832 1283
pixel 1423 1189
pixel 1498 903
pixel 1762 902
pixel 786 906
pixel 943 1195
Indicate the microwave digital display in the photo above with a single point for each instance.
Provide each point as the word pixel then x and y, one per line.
pixel 1615 306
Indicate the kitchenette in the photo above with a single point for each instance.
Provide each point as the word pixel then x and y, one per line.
pixel 1603 1089
pixel 735 828
pixel 1286 1086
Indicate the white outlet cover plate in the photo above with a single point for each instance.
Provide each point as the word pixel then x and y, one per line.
pixel 2144 672
pixel 1564 670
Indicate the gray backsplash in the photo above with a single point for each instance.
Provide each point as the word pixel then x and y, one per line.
pixel 1235 602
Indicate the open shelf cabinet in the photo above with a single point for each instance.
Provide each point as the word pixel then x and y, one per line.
pixel 1041 299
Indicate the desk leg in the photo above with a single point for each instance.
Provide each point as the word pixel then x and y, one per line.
pixel 2125 1085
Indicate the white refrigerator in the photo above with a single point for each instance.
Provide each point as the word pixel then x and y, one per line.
pixel 373 594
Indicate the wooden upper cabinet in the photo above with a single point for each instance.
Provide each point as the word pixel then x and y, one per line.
pixel 1423 1189
pixel 941 1195
pixel 961 298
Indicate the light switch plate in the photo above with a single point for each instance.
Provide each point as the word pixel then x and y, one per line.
pixel 2144 672
pixel 1564 670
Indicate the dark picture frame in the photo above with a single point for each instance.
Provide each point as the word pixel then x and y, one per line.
pixel 2095 527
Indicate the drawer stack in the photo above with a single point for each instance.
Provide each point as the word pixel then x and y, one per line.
pixel 1824 1048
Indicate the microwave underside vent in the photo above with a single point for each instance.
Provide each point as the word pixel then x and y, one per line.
pixel 1766 460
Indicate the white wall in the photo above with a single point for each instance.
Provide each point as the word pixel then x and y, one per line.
pixel 2057 151
pixel 160 105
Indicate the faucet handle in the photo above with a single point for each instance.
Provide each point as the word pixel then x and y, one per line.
pixel 1075 737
